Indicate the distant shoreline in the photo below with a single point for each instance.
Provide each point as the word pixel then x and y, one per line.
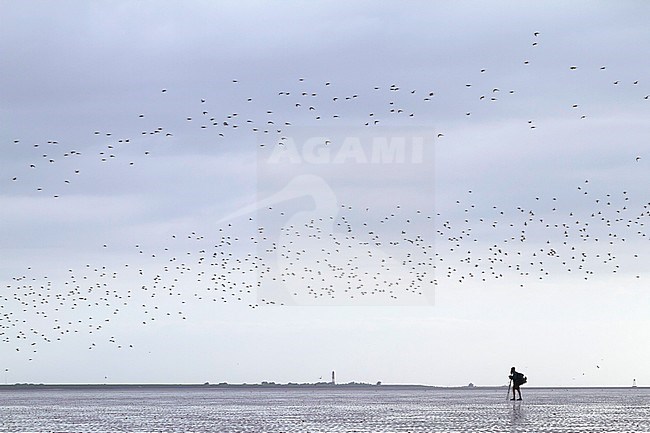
pixel 276 386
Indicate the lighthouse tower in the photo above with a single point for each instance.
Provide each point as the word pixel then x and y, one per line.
pixel 333 379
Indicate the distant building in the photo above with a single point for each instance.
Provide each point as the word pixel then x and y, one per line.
pixel 333 379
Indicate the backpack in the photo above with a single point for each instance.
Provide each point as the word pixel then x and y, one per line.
pixel 520 378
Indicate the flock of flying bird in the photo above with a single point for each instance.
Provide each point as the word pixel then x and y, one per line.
pixel 279 255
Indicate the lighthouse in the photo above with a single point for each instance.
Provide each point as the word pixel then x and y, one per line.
pixel 333 380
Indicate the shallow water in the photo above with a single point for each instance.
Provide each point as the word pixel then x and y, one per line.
pixel 322 410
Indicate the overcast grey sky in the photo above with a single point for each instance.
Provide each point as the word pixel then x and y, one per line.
pixel 417 192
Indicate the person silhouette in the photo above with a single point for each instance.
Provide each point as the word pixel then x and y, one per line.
pixel 517 379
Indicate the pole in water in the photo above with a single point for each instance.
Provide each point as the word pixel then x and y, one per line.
pixel 508 394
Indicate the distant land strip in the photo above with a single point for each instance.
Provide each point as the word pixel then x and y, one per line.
pixel 273 385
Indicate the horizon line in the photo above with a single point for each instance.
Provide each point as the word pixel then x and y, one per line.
pixel 294 385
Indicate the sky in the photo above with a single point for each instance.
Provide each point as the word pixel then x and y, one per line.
pixel 405 192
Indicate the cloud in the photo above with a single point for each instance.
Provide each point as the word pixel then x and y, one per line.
pixel 327 89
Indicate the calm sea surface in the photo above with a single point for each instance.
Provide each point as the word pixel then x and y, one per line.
pixel 322 410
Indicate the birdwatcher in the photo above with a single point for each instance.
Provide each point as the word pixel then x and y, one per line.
pixel 517 379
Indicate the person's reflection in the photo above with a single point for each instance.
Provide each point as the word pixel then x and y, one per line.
pixel 517 414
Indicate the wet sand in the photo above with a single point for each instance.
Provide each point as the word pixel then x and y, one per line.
pixel 172 409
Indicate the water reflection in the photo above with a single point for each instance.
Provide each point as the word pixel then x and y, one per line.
pixel 517 415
